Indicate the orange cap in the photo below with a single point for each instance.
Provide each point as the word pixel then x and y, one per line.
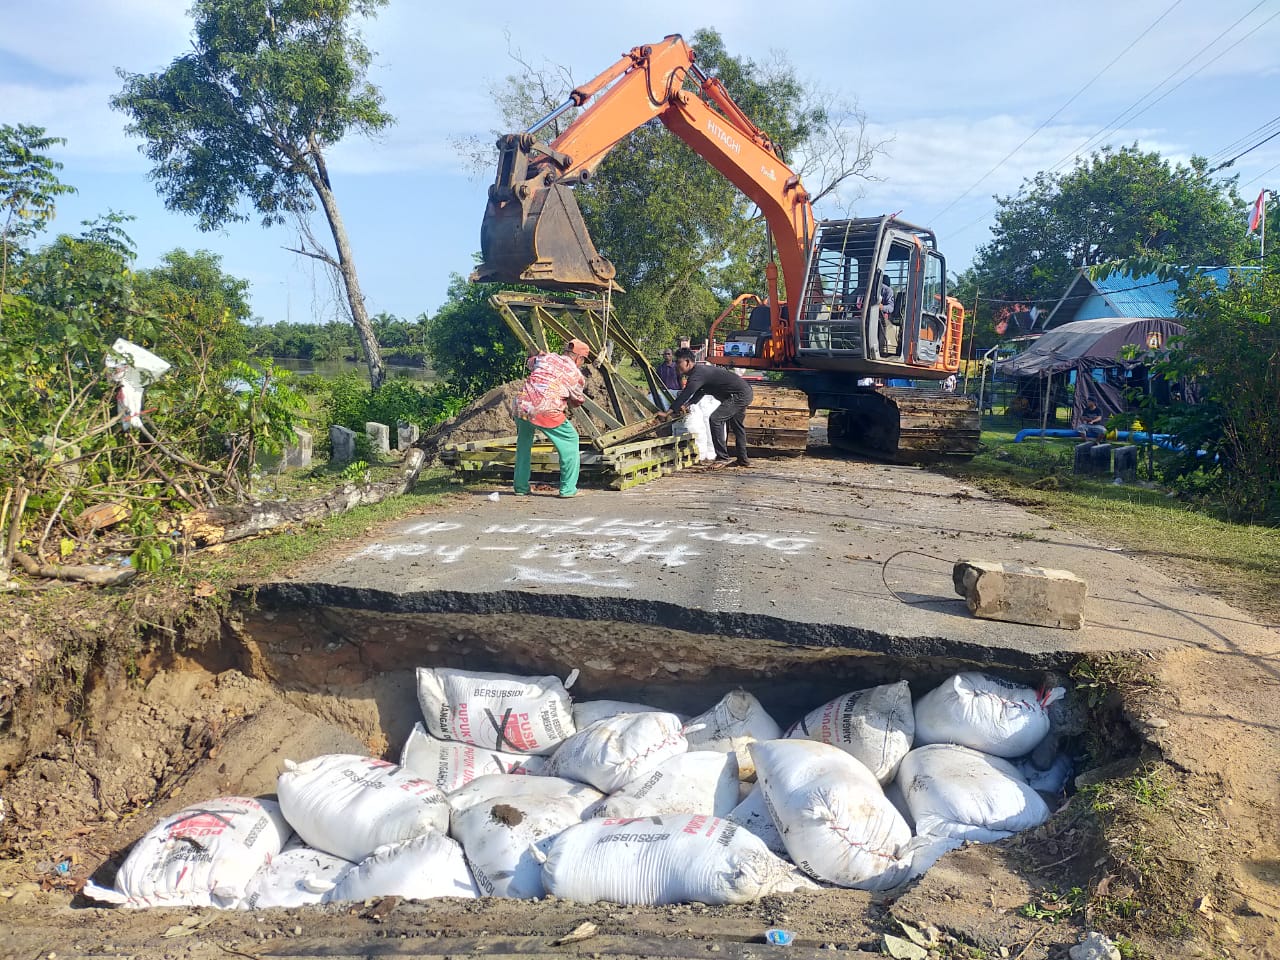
pixel 579 349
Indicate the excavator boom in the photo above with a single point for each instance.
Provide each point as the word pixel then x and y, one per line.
pixel 533 231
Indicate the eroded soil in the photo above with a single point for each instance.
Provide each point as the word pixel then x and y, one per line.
pixel 1175 847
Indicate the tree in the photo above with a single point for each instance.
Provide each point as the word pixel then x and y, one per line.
pixel 1231 351
pixel 249 115
pixel 204 306
pixel 469 345
pixel 683 238
pixel 1116 204
pixel 29 187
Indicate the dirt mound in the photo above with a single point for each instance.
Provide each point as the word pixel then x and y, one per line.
pixel 490 416
pixel 484 419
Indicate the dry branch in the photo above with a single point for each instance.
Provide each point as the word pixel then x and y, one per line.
pixel 235 522
pixel 95 574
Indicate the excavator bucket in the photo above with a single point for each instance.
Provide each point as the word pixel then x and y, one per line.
pixel 539 239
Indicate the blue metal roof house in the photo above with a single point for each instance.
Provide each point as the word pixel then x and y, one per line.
pixel 1145 297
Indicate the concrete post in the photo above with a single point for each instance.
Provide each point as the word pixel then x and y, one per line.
pixel 298 454
pixel 343 444
pixel 1081 464
pixel 1100 459
pixel 406 435
pixel 380 437
pixel 1126 463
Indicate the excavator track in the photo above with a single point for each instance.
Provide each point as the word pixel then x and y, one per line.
pixel 777 421
pixel 906 425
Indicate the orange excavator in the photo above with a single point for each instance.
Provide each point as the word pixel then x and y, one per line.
pixel 862 300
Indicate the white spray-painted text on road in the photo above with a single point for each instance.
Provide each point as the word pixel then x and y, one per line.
pixel 589 551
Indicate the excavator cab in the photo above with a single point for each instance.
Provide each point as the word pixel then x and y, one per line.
pixel 533 232
pixel 874 295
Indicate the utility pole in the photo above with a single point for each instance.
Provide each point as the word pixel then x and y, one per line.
pixel 973 330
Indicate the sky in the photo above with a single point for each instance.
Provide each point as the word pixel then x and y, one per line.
pixel 970 98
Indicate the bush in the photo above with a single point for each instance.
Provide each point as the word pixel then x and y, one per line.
pixel 348 402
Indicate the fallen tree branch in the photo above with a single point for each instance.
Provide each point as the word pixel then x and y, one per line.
pixel 212 525
pixel 95 574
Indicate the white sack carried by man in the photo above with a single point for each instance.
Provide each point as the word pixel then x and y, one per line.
pixel 505 823
pixel 498 711
pixel 995 716
pixel 613 752
pixel 966 795
pixel 876 726
pixel 451 765
pixel 701 781
pixel 420 868
pixel 202 856
pixel 661 860
pixel 349 805
pixel 297 876
pixel 735 721
pixel 832 814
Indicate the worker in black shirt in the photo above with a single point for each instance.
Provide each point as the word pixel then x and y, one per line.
pixel 731 390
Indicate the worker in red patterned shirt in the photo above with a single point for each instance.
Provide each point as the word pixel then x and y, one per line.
pixel 554 384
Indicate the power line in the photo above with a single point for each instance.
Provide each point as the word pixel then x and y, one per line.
pixel 1228 163
pixel 1261 175
pixel 1128 114
pixel 1256 131
pixel 1055 113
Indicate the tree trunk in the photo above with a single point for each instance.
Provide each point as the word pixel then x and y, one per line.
pixel 203 528
pixel 347 268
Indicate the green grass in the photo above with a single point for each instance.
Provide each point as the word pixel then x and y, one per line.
pixel 1238 561
pixel 275 554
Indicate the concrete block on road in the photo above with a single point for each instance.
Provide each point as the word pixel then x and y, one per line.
pixel 1020 594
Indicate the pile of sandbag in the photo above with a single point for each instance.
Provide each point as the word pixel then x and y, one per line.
pixel 508 789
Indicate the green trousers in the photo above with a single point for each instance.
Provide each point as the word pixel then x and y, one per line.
pixel 564 438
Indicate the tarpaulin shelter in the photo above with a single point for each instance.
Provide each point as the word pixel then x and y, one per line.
pixel 1085 346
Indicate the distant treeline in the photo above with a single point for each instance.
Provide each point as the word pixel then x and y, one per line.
pixel 402 341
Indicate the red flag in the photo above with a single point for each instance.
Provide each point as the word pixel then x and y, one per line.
pixel 1259 211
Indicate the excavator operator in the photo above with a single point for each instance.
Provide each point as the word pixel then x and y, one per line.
pixel 734 394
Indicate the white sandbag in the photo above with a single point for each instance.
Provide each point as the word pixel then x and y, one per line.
pixel 661 860
pixel 428 866
pixel 957 792
pixel 876 726
pixel 612 752
pixel 988 714
pixel 202 856
pixel 295 877
pixel 753 814
pixel 587 712
pixel 499 711
pixel 450 764
pixel 737 720
pixel 499 786
pixel 1049 781
pixel 500 823
pixel 702 781
pixel 832 814
pixel 349 805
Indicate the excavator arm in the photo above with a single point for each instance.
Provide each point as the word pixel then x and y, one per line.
pixel 533 231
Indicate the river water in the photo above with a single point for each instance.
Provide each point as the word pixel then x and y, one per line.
pixel 336 368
